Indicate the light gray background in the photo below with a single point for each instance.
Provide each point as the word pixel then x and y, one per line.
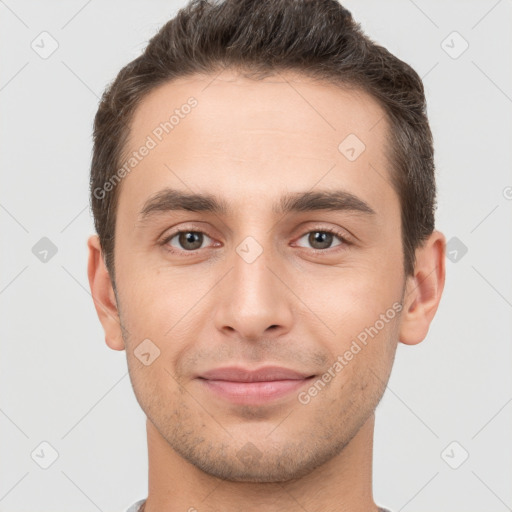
pixel 61 384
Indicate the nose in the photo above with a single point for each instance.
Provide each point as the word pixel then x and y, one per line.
pixel 253 300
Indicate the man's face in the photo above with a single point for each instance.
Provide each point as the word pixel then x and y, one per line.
pixel 255 286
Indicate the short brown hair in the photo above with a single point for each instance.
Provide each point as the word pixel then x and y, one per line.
pixel 317 38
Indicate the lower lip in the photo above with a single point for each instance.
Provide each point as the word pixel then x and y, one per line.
pixel 253 392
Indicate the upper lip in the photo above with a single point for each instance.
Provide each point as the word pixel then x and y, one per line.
pixel 266 373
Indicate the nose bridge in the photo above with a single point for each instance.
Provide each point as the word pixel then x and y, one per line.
pixel 253 279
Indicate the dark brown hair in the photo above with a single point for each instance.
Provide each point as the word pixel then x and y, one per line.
pixel 317 38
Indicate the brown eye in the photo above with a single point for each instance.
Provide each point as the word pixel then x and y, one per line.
pixel 187 240
pixel 323 239
pixel 320 239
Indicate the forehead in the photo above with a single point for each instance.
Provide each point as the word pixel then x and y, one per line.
pixel 250 138
pixel 288 102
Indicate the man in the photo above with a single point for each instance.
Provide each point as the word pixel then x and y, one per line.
pixel 263 189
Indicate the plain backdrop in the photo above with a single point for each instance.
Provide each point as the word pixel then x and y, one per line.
pixel 442 438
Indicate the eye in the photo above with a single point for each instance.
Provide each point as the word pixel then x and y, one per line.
pixel 322 239
pixel 186 240
pixel 189 240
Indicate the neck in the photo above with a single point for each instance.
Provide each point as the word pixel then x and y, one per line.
pixel 343 484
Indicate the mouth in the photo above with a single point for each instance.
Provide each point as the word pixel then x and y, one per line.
pixel 243 386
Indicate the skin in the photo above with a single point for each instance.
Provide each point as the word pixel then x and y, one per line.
pixel 249 142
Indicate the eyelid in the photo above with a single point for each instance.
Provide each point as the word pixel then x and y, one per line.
pixel 335 230
pixel 181 227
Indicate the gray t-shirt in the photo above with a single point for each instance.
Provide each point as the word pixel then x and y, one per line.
pixel 136 506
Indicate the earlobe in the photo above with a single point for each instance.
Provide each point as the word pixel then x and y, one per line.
pixel 103 295
pixel 423 290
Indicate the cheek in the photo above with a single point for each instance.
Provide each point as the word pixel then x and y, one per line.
pixel 164 309
pixel 362 310
pixel 147 313
pixel 356 297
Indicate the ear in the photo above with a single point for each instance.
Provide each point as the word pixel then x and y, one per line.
pixel 423 290
pixel 103 295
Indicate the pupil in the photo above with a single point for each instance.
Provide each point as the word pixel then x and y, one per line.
pixel 190 238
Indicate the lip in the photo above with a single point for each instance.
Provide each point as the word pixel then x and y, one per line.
pixel 243 386
pixel 265 373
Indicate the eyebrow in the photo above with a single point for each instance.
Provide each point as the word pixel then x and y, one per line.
pixel 168 200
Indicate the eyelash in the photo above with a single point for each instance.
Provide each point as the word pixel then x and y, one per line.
pixel 332 231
